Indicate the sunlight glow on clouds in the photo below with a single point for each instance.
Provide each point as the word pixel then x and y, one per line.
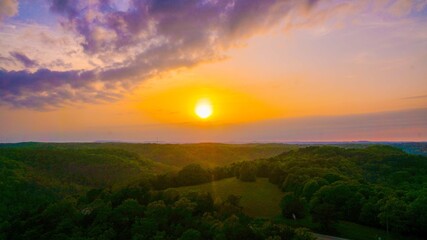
pixel 108 48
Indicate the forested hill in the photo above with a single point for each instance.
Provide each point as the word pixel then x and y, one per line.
pixel 36 173
pixel 379 186
pixel 374 164
pixel 116 190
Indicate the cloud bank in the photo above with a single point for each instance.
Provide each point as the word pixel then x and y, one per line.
pixel 139 41
pixel 150 37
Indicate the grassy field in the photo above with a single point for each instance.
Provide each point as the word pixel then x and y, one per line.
pixel 259 199
pixel 262 199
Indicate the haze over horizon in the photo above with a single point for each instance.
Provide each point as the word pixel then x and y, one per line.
pixel 213 71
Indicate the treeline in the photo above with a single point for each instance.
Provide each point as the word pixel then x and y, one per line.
pixel 194 174
pixel 173 155
pixel 140 213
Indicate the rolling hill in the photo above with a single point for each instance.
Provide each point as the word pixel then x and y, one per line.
pixel 37 173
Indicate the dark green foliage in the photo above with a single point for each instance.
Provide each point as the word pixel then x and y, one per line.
pixel 393 214
pixel 369 212
pixel 325 214
pixel 417 213
pixel 176 155
pixel 375 186
pixel 379 186
pixel 247 172
pixel 311 186
pixel 276 230
pixel 35 174
pixel 292 206
pixel 293 183
pixel 192 174
pixel 303 234
pixel 191 234
pixel 343 196
pixel 189 217
pixel 20 189
pixel 277 174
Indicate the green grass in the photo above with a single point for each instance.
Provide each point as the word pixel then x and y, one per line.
pixel 258 199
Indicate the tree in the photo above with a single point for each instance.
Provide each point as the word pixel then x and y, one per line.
pixel 293 183
pixel 191 234
pixel 310 187
pixel 325 214
pixel 418 214
pixel 303 234
pixel 369 212
pixel 292 206
pixel 393 215
pixel 182 211
pixel 234 228
pixel 343 196
pixel 193 174
pixel 124 216
pixel 247 172
pixel 230 206
pixel 277 175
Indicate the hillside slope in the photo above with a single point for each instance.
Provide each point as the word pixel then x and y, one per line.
pixel 36 173
pixel 258 199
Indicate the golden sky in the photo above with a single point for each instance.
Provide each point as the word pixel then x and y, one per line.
pixel 362 65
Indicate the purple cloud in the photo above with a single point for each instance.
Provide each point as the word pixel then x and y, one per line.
pixel 45 88
pixel 22 58
pixel 154 36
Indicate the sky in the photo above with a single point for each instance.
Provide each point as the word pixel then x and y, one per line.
pixel 270 70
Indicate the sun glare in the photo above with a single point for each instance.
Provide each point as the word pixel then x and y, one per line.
pixel 203 109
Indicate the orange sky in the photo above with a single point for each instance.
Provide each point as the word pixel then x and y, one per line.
pixel 343 67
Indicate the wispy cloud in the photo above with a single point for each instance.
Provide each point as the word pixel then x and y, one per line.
pixel 415 97
pixel 24 60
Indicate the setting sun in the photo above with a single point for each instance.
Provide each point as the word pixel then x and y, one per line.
pixel 203 109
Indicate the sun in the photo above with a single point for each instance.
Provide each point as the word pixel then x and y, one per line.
pixel 203 109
